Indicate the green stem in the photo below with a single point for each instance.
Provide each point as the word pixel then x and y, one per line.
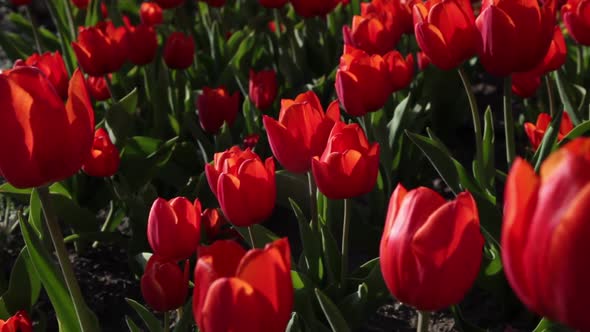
pixel 166 321
pixel 107 221
pixel 580 62
pixel 567 103
pixel 476 125
pixel 550 95
pixel 509 121
pixel 35 29
pixel 68 10
pixel 423 321
pixel 345 233
pixel 63 259
pixel 313 202
pixel 251 234
pixel 277 17
pixel 110 88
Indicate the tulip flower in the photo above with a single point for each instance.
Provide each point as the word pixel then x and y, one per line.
pixel 371 35
pixel 250 141
pixel 53 66
pixel 301 131
pixel 104 157
pixel 243 291
pixel 151 14
pixel 273 3
pixel 396 15
pixel 102 49
pixel 216 226
pixel 81 4
pixel 506 27
pixel 545 234
pixel 428 242
pixel 104 11
pixel 525 85
pixel 536 132
pixel 174 228
pixel 423 60
pixel 576 20
pixel 263 88
pixel 42 138
pixel 401 70
pixel 243 184
pixel 446 32
pixel 143 40
pixel 97 86
pixel 20 322
pixel 348 167
pixel 20 2
pixel 216 106
pixel 179 51
pixel 164 285
pixel 311 8
pixel 167 4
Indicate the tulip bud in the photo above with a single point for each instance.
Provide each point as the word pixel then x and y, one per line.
pixel 428 242
pixel 102 49
pixel 143 40
pixel 104 158
pixel 263 88
pixel 53 66
pixel 167 4
pixel 216 106
pixel 20 322
pixel 536 132
pixel 179 51
pixel 164 285
pixel 97 86
pixel 151 14
pixel 396 15
pixel 250 141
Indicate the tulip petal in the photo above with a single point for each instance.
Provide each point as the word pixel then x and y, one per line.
pixel 232 202
pixel 498 36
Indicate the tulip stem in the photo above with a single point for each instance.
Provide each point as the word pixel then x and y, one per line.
pixel 509 121
pixel 251 234
pixel 35 30
pixel 166 321
pixel 68 10
pixel 476 125
pixel 277 19
pixel 313 203
pixel 109 85
pixel 580 62
pixel 423 321
pixel 63 259
pixel 345 232
pixel 550 95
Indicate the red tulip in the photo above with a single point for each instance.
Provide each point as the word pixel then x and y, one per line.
pixel 545 234
pixel 428 242
pixel 311 8
pixel 81 4
pixel 174 228
pixel 243 291
pixel 21 2
pixel 506 27
pixel 423 60
pixel 143 41
pixel 446 32
pixel 401 70
pixel 301 131
pixel 396 15
pixel 179 50
pixel 349 165
pixel 151 14
pixel 371 35
pixel 576 20
pixel 217 106
pixel 104 157
pixel 102 49
pixel 164 285
pixel 216 227
pixel 536 132
pixel 250 141
pixel 273 3
pixel 104 11
pixel 97 86
pixel 167 4
pixel 263 88
pixel 244 185
pixel 42 139
pixel 20 322
pixel 53 66
pixel 525 85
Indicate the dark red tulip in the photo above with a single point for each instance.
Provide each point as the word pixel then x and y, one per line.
pixel 216 106
pixel 273 3
pixel 216 226
pixel 53 66
pixel 104 157
pixel 102 49
pixel 20 2
pixel 423 60
pixel 263 88
pixel 536 131
pixel 20 322
pixel 167 4
pixel 575 18
pixel 97 86
pixel 525 85
pixel 143 41
pixel 179 50
pixel 81 4
pixel 311 8
pixel 250 141
pixel 151 14
pixel 164 285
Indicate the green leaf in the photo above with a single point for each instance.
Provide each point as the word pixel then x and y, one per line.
pixel 131 325
pixel 291 186
pixel 548 142
pixel 354 306
pixel 545 325
pixel 295 324
pixel 120 118
pixel 186 321
pixel 150 321
pixel 311 245
pixel 565 98
pixel 488 149
pixel 333 315
pixel 24 285
pixel 578 131
pixel 262 235
pixel 331 253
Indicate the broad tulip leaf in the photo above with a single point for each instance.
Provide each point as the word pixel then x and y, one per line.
pixel 578 131
pixel 262 235
pixel 24 285
pixel 565 98
pixel 150 321
pixel 131 325
pixel 294 324
pixel 548 142
pixel 291 186
pixel 120 117
pixel 303 297
pixel 545 325
pixel 311 245
pixel 333 315
pixel 354 306
pixel 331 253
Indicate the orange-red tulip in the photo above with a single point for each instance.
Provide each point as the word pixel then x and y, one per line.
pixel 42 139
pixel 216 227
pixel 104 157
pixel 428 242
pixel 311 8
pixel 244 185
pixel 349 165
pixel 250 141
pixel 53 66
pixel 179 51
pixel 575 17
pixel 536 131
pixel 164 285
pixel 20 322
pixel 216 106
pixel 301 131
pixel 263 88
pixel 101 49
pixel 396 15
pixel 174 228
pixel 371 35
pixel 151 14
pixel 243 291
pixel 545 234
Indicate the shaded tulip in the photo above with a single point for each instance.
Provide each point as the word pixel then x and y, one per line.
pixel 104 157
pixel 525 85
pixel 151 14
pixel 263 88
pixel 396 15
pixel 311 8
pixel 371 35
pixel 545 228
pixel 243 291
pixel 506 27
pixel 446 32
pixel 575 18
pixel 20 322
pixel 216 106
pixel 273 3
pixel 301 131
pixel 81 4
pixel 20 2
pixel 104 10
pixel 536 131
pixel 243 184
pixel 215 3
pixel 174 228
pixel 250 141
pixel 348 167
pixel 164 286
pixel 167 4
pixel 97 86
pixel 143 41
pixel 179 51
pixel 101 49
pixel 401 70
pixel 42 139
pixel 53 66
pixel 428 242
pixel 272 27
pixel 423 60
pixel 216 227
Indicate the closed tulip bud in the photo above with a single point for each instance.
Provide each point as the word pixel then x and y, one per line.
pixel 53 66
pixel 151 14
pixel 506 27
pixel 576 20
pixel 446 32
pixel 179 51
pixel 97 86
pixel 104 10
pixel 545 234
pixel 428 242
pixel 273 3
pixel 243 291
pixel 263 88
pixel 174 228
pixel 244 185
pixel 536 131
pixel 301 131
pixel 216 106
pixel 167 4
pixel 42 138
pixel 349 165
pixel 371 35
pixel 164 285
pixel 311 8
pixel 102 49
pixel 81 4
pixel 104 157
pixel 143 40
pixel 20 322
pixel 401 70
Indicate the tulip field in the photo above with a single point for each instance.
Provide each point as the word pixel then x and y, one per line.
pixel 294 165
